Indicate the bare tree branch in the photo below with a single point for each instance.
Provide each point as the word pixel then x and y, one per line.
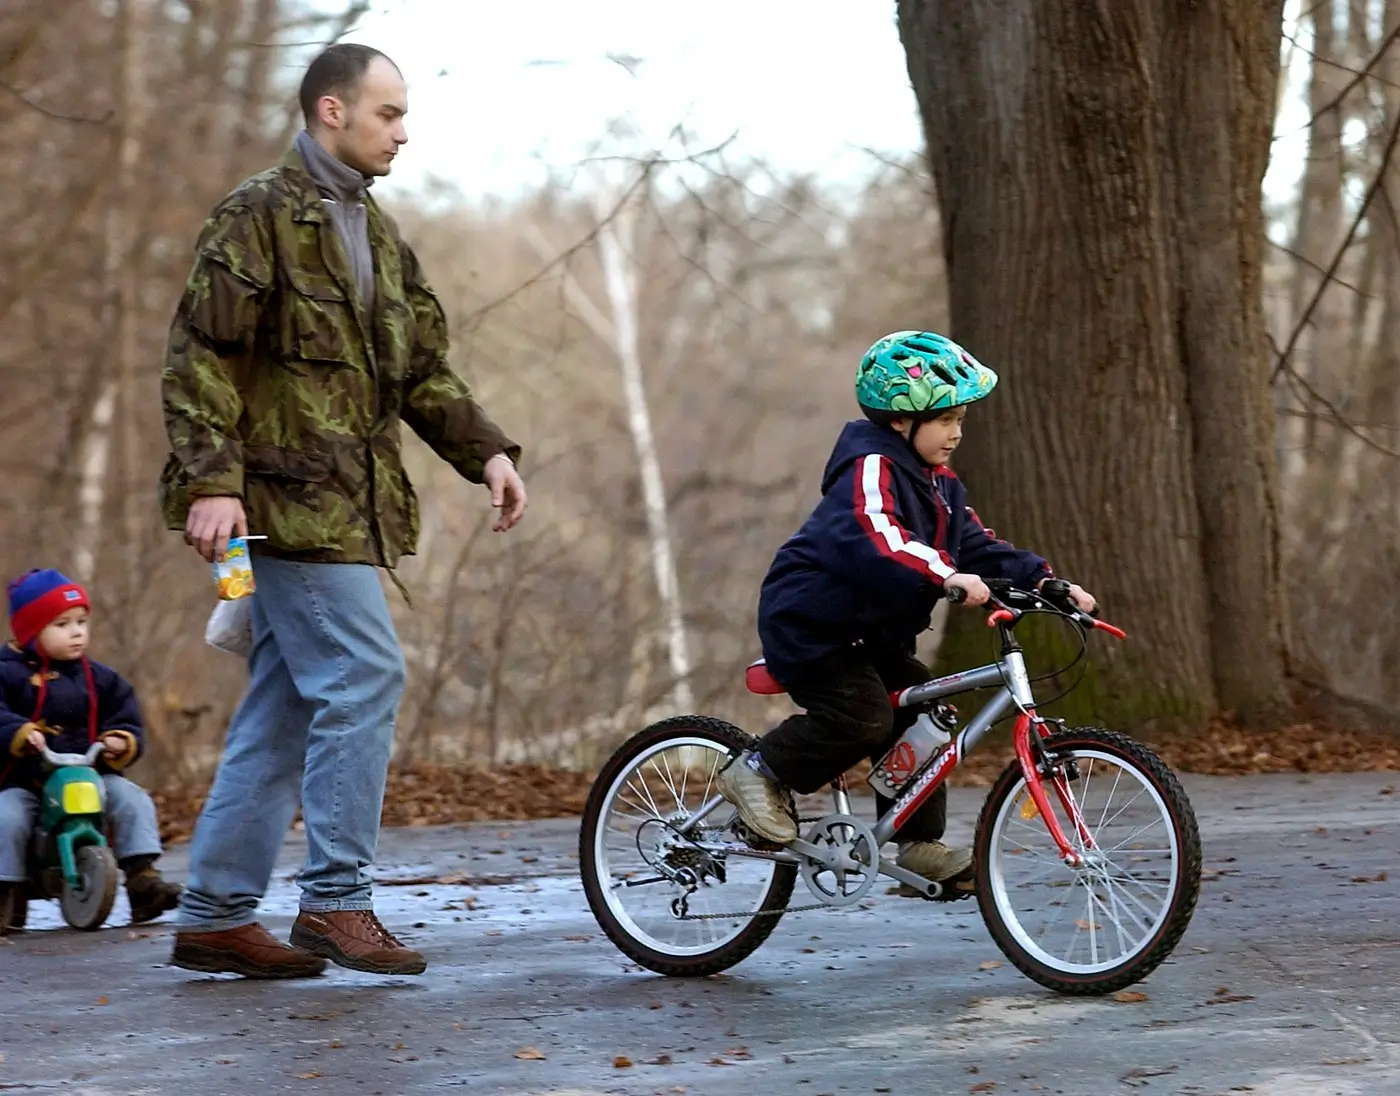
pixel 1371 191
pixel 55 114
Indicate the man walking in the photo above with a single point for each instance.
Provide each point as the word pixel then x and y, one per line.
pixel 305 335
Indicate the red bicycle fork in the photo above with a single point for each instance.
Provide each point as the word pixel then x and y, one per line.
pixel 1036 786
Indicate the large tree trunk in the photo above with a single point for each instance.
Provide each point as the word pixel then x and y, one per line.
pixel 1098 167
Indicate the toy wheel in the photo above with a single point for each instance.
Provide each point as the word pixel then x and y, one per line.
pixel 86 907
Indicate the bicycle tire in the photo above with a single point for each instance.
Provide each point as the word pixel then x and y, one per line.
pixel 734 741
pixel 1150 953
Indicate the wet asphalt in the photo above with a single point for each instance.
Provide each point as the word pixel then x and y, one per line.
pixel 1286 984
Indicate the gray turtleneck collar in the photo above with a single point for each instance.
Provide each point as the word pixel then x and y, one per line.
pixel 343 192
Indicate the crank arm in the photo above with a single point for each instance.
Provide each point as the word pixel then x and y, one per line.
pixel 927 887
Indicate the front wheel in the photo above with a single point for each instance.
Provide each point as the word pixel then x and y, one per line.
pixel 1108 923
pixel 667 902
pixel 86 906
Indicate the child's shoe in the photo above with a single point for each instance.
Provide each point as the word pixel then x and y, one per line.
pixel 761 803
pixel 150 894
pixel 938 862
pixel 14 899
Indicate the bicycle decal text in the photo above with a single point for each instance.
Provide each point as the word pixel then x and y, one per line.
pixel 913 795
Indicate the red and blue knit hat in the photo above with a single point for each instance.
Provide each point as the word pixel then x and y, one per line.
pixel 38 599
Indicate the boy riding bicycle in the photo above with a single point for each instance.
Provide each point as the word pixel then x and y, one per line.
pixel 847 596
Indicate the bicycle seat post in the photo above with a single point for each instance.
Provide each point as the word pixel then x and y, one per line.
pixel 840 799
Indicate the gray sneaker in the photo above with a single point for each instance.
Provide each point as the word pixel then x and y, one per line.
pixel 938 862
pixel 760 802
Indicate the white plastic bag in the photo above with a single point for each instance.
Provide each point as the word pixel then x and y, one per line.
pixel 230 627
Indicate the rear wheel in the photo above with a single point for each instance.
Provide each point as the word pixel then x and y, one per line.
pixel 87 905
pixel 1108 923
pixel 666 903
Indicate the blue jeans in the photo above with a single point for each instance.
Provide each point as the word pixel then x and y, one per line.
pixel 130 812
pixel 317 722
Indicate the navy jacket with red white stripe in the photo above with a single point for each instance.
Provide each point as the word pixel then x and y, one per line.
pixel 869 563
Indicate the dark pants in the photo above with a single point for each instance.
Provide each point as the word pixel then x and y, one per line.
pixel 849 717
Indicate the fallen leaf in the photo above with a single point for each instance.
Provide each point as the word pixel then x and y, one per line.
pixel 530 1054
pixel 622 1062
pixel 1086 926
pixel 983 1086
pixel 809 951
pixel 990 964
pixel 229 1062
pixel 494 932
pixel 1389 789
pixel 310 1073
pixel 103 1001
pixel 1230 999
pixel 718 1062
pixel 1345 1061
pixel 336 1044
pixel 1136 1075
pixel 655 1005
pixel 1380 877
pixel 1221 989
pixel 580 936
pixel 661 1060
pixel 528 859
pixel 1129 997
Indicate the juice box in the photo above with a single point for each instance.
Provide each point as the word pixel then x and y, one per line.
pixel 233 574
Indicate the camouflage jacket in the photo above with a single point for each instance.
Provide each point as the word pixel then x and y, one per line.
pixel 280 388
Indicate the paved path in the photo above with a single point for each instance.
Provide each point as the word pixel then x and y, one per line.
pixel 1286 984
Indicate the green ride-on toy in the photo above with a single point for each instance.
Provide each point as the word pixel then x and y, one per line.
pixel 69 857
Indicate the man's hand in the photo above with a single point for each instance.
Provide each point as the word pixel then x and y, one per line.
pixel 212 520
pixel 973 587
pixel 507 490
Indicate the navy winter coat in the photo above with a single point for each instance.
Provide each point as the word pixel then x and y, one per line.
pixel 82 701
pixel 869 563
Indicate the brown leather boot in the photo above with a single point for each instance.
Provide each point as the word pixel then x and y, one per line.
pixel 355 939
pixel 249 950
pixel 13 898
pixel 150 894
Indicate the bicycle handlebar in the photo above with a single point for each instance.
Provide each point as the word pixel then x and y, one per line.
pixel 1052 597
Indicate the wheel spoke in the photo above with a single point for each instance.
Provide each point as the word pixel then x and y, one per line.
pixel 1122 910
pixel 635 840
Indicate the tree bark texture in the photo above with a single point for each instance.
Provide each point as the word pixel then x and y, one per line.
pixel 1098 165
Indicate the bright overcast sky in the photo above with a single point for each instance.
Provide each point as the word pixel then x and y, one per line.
pixel 499 88
pixel 501 91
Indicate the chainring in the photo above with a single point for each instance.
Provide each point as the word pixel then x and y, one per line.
pixel 857 852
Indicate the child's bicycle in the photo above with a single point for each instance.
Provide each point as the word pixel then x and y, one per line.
pixel 1087 857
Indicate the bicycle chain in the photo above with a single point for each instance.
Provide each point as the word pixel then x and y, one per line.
pixel 760 913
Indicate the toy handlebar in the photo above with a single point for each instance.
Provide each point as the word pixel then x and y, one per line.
pixel 58 760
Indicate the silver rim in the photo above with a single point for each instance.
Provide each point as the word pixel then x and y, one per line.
pixel 667 782
pixel 1099 917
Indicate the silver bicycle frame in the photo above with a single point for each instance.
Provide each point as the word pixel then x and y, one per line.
pixel 1009 673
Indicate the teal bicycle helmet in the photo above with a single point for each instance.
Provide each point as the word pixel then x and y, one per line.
pixel 919 375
